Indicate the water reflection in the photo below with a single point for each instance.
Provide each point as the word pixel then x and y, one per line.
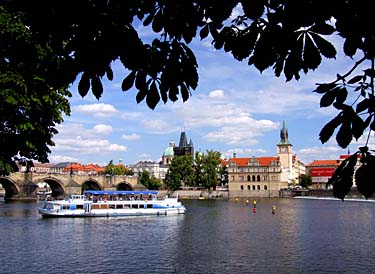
pixel 215 236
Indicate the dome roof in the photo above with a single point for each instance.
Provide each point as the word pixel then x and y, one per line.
pixel 168 151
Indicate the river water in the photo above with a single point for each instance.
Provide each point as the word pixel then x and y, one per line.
pixel 215 236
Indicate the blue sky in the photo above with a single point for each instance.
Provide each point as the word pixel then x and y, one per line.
pixel 234 109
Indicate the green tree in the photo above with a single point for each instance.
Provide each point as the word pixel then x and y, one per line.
pixel 41 58
pixel 180 172
pixel 150 182
pixel 305 180
pixel 223 175
pixel 119 169
pixel 199 169
pixel 206 169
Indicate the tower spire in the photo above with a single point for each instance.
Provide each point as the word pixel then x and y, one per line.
pixel 284 135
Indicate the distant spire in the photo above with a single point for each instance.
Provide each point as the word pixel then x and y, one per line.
pixel 183 140
pixel 284 135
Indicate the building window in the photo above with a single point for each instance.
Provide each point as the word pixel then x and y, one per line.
pixel 258 178
pixel 265 187
pixel 264 178
pixel 232 178
pixel 253 178
pixel 258 187
pixel 241 178
pixel 253 187
pixel 248 187
pixel 241 187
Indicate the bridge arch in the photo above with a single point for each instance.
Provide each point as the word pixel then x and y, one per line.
pixel 57 187
pixel 91 184
pixel 11 188
pixel 124 186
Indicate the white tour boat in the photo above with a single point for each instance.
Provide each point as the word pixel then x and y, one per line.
pixel 98 203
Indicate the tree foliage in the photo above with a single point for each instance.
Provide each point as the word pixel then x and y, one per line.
pixel 150 182
pixel 119 169
pixel 305 180
pixel 46 45
pixel 180 172
pixel 206 169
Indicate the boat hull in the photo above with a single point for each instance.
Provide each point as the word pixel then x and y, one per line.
pixel 111 213
pixel 119 203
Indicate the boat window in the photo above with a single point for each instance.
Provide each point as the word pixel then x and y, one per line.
pixel 149 205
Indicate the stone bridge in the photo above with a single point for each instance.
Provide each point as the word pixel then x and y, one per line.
pixel 24 185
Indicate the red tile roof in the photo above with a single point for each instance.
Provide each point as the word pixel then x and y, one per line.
pixel 324 163
pixel 263 161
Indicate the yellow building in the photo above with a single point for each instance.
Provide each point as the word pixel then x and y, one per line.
pixel 265 176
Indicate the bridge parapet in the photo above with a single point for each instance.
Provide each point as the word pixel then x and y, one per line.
pixel 25 184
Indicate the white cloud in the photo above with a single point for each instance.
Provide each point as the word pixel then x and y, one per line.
pixel 100 110
pixel 102 129
pixel 62 158
pixel 87 146
pixel 158 126
pixel 131 137
pixel 216 94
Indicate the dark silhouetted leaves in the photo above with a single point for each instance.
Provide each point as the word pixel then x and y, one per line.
pixel 342 178
pixel 84 84
pixel 355 79
pixel 97 87
pixel 344 135
pixel 325 47
pixel 364 174
pixel 363 179
pixel 153 96
pixel 128 82
pixel 327 131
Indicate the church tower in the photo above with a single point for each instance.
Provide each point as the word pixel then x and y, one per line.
pixel 285 154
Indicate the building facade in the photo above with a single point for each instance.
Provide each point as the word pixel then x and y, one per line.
pixel 254 177
pixel 157 170
pixel 265 176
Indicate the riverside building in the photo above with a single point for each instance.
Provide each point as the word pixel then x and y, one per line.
pixel 265 176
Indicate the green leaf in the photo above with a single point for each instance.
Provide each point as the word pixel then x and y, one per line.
pixel 84 84
pixel 128 82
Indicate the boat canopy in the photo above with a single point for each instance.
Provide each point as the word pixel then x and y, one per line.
pixel 119 192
